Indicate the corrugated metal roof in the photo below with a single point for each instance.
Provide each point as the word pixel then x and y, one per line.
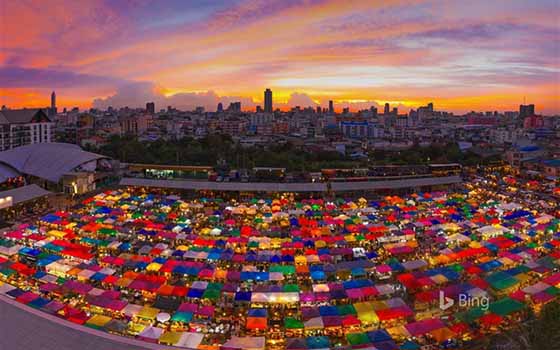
pixel 25 193
pixel 47 160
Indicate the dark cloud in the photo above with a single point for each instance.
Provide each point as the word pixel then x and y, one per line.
pixel 20 77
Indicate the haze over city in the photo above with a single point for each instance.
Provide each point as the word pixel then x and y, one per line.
pixel 463 55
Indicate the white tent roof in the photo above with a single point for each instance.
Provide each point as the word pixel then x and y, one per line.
pixel 246 343
pixel 151 332
pixel 190 340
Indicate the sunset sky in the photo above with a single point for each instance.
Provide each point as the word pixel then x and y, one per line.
pixel 462 55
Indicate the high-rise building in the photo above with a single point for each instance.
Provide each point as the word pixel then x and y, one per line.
pixel 268 101
pixel 150 107
pixel 220 108
pixel 52 110
pixel 331 106
pixel 526 110
pixel 395 111
pixel 387 108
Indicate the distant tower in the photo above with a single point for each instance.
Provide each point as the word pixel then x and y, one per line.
pixel 52 110
pixel 220 108
pixel 268 101
pixel 331 106
pixel 387 107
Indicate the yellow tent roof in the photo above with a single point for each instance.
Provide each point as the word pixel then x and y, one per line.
pixel 136 328
pixel 398 331
pixel 366 313
pixel 56 233
pixel 153 267
pixel 147 312
pixel 98 320
pixel 170 338
pixel 439 278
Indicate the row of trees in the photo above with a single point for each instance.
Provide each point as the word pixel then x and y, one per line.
pixel 212 149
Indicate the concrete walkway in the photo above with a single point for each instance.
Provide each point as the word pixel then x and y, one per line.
pixel 24 328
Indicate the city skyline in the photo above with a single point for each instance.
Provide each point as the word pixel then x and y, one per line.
pixel 480 56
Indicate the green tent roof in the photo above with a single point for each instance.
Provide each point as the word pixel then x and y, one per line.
pixel 357 338
pixel 504 283
pixel 506 306
pixel 471 315
pixel 292 323
pixel 346 309
pixel 291 288
pixel 211 294
pixel 182 316
pixel 285 269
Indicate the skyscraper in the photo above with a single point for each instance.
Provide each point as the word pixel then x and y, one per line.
pixel 52 110
pixel 331 106
pixel 387 108
pixel 268 101
pixel 220 108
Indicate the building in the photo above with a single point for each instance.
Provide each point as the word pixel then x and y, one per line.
pixel 373 111
pixel 354 129
pixel 331 106
pixel 518 155
pixel 52 111
pixel 234 107
pixel 260 119
pixel 386 110
pixel 552 168
pixel 135 124
pixel 233 127
pixel 533 121
pixel 150 107
pixel 220 108
pixel 268 101
pixel 526 110
pixel 20 127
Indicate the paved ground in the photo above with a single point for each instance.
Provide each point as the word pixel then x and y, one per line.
pixel 23 328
